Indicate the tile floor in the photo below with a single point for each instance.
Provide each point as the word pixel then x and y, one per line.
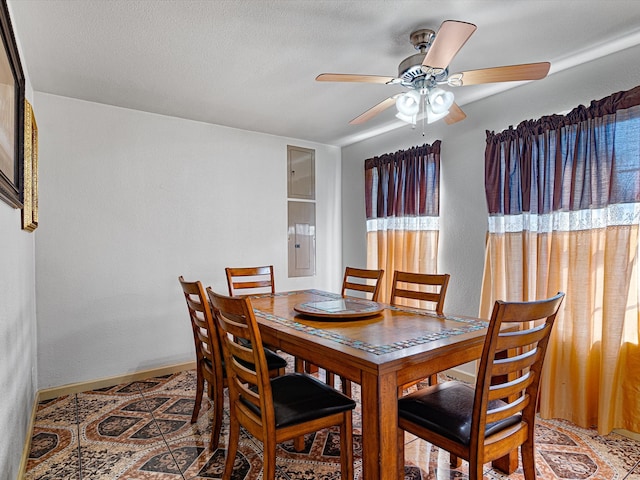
pixel 142 431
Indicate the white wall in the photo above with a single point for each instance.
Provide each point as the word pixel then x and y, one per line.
pixel 18 355
pixel 17 338
pixel 128 202
pixel 463 211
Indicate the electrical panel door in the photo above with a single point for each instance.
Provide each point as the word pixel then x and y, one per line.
pixel 302 239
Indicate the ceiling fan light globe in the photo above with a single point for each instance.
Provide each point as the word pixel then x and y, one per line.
pixel 440 100
pixel 409 103
pixel 412 119
pixel 434 117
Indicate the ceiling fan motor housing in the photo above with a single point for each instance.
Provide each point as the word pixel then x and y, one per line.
pixel 410 71
pixel 422 39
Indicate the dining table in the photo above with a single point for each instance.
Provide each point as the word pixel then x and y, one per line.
pixel 381 348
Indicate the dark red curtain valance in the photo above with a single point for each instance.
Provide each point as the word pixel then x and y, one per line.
pixel 585 159
pixel 597 108
pixel 404 183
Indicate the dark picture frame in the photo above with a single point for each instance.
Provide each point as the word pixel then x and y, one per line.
pixel 11 114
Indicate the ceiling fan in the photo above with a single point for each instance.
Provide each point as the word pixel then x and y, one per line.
pixel 424 72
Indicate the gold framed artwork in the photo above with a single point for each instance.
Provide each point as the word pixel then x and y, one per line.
pixel 30 186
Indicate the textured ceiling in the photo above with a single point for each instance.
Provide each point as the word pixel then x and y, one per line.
pixel 251 64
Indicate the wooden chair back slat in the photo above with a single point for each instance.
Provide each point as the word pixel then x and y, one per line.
pixel 510 389
pixel 519 338
pixel 414 295
pixel 511 409
pixel 515 363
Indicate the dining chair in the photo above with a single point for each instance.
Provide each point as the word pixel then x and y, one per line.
pixel 273 410
pixel 420 286
pixel 487 422
pixel 254 281
pixel 362 281
pixel 250 280
pixel 209 361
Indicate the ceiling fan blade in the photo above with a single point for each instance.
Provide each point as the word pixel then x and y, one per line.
pixel 373 111
pixel 346 77
pixel 509 73
pixel 455 114
pixel 450 38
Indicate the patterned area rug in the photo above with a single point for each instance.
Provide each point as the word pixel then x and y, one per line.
pixel 142 431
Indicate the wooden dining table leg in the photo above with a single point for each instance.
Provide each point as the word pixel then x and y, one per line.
pixel 379 427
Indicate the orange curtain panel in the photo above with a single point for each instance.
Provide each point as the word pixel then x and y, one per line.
pixel 563 194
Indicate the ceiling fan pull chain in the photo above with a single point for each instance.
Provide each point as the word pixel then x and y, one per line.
pixel 424 111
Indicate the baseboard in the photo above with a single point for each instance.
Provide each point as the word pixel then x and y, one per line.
pixel 626 433
pixel 27 441
pixel 460 375
pixel 70 389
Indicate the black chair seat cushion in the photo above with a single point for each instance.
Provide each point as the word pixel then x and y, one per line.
pixel 446 409
pixel 274 362
pixel 299 398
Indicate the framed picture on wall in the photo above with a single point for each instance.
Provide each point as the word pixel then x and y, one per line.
pixel 11 114
pixel 30 171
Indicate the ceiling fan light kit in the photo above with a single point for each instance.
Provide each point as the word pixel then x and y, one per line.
pixel 409 103
pixel 440 100
pixel 435 104
pixel 424 72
